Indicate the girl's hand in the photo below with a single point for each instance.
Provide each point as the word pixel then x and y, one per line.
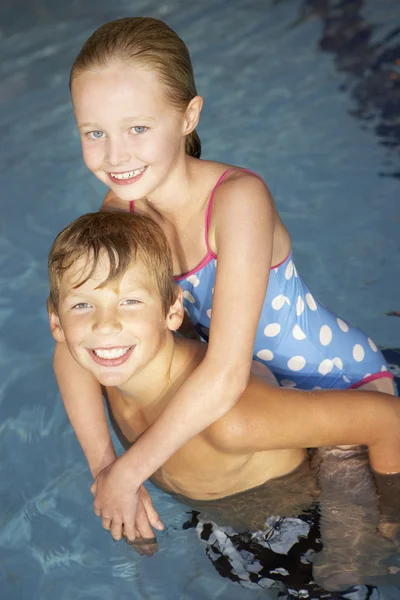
pixel 125 509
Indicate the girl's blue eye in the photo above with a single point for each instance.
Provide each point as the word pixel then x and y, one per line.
pixel 131 301
pixel 95 135
pixel 81 305
pixel 139 129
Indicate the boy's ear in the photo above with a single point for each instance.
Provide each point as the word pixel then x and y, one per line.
pixel 192 115
pixel 54 321
pixel 176 313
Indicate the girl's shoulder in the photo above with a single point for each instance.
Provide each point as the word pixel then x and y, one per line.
pixel 236 183
pixel 233 181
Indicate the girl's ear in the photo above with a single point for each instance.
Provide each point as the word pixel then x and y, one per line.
pixel 192 114
pixel 176 313
pixel 55 325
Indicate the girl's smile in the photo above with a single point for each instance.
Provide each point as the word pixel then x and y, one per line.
pixel 132 140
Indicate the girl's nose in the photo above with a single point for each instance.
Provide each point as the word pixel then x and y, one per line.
pixel 117 152
pixel 107 322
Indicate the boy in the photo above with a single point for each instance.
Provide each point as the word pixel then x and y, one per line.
pixel 113 301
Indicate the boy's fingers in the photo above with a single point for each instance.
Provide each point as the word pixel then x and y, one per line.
pixel 106 522
pixel 116 529
pixel 151 512
pixel 143 526
pixel 129 530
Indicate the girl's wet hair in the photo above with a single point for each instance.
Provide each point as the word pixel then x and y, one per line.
pixel 149 43
pixel 124 238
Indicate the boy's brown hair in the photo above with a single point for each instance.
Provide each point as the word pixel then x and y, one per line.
pixel 125 238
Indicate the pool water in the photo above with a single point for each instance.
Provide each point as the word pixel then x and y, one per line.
pixel 304 92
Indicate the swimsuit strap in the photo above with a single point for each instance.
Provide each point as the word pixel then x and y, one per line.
pixel 209 207
pixel 132 206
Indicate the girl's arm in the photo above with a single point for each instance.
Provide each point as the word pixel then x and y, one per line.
pixel 83 401
pixel 274 418
pixel 244 215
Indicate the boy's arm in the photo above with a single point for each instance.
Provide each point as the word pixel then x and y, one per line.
pixel 273 418
pixel 83 401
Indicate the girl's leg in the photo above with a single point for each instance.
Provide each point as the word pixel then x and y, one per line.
pixel 383 384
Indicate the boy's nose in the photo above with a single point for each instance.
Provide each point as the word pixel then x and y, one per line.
pixel 107 322
pixel 117 153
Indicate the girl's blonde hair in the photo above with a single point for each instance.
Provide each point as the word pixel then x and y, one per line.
pixel 152 44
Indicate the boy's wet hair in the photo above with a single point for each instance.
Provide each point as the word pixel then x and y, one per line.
pixel 149 43
pixel 124 238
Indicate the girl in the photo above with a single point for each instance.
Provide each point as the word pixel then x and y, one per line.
pixel 137 109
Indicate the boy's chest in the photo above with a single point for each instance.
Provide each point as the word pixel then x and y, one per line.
pixel 198 469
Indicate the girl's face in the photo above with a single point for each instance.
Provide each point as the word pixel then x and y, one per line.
pixel 132 138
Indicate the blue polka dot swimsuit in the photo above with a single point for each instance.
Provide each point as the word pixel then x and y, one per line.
pixel 303 343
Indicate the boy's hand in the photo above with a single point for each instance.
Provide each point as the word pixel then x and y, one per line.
pixel 124 509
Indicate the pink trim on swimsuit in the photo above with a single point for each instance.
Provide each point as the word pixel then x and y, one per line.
pixel 372 377
pixel 210 254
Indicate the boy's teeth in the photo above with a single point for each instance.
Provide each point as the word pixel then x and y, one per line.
pixel 128 174
pixel 111 353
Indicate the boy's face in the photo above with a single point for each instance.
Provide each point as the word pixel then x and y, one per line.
pixel 116 331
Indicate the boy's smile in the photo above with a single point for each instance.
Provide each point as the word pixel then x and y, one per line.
pixel 118 331
pixel 111 357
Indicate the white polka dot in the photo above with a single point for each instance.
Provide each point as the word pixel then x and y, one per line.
pixel 311 302
pixel 194 280
pixel 338 362
pixel 346 379
pixel 358 353
pixel 317 387
pixel 367 375
pixel 296 363
pixel 288 383
pixel 212 291
pixel 295 272
pixel 289 270
pixel 383 368
pixel 215 263
pixel 209 313
pixel 325 366
pixel 373 345
pixel 265 354
pixel 272 329
pixel 299 306
pixel 275 270
pixel 343 326
pixel 188 296
pixel 298 333
pixel 186 311
pixel 325 335
pixel 279 301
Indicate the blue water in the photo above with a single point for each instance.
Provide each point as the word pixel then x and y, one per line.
pixel 306 93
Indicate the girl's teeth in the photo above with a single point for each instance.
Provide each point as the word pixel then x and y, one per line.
pixel 112 352
pixel 128 174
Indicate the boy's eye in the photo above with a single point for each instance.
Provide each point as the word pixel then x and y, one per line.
pixel 95 135
pixel 131 302
pixel 81 305
pixel 138 129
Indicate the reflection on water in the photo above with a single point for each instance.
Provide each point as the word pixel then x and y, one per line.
pixel 323 527
pixel 369 56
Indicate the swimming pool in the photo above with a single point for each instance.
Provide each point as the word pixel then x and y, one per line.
pixel 303 92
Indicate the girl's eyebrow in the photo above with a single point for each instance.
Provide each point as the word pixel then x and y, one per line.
pixel 139 118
